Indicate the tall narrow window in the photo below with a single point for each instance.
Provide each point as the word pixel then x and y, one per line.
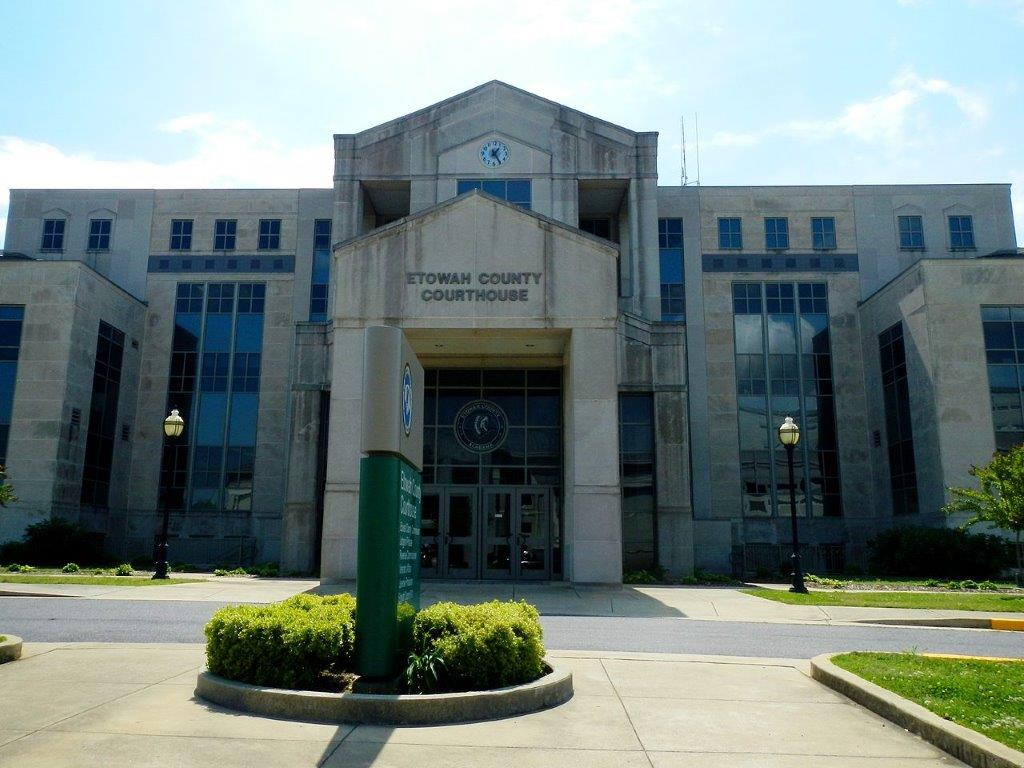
pixel 1004 351
pixel 599 227
pixel 321 277
pixel 730 235
pixel 776 234
pixel 99 444
pixel 99 234
pixel 911 231
pixel 823 233
pixel 215 375
pixel 181 235
pixel 670 253
pixel 784 368
pixel 899 436
pixel 224 231
pixel 961 233
pixel 270 235
pixel 53 235
pixel 11 319
pixel 636 468
pixel 515 191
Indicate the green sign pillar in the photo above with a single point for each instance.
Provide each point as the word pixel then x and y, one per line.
pixel 390 503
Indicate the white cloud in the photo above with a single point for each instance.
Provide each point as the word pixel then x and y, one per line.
pixel 227 153
pixel 885 119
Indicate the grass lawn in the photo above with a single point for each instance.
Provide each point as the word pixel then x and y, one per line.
pixel 958 601
pixel 986 696
pixel 96 581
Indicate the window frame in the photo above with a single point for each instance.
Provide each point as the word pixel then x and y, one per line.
pixel 271 239
pixel 738 234
pixel 777 234
pixel 181 240
pixel 56 239
pixel 909 244
pixel 969 232
pixel 823 234
pixel 226 235
pixel 99 246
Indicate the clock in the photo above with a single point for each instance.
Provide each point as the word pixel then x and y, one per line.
pixel 493 153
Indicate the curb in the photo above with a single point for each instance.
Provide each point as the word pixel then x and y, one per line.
pixel 408 709
pixel 962 743
pixel 959 622
pixel 10 649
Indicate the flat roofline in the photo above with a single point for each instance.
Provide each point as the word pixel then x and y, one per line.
pixel 172 189
pixel 840 186
pixel 997 257
pixel 74 262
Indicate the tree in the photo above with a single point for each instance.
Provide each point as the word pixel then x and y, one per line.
pixel 6 490
pixel 999 500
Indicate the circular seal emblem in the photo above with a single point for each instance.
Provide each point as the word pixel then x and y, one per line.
pixel 481 426
pixel 407 400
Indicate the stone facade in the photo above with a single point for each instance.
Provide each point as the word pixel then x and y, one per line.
pixel 399 217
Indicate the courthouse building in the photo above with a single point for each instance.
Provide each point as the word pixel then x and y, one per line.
pixel 607 359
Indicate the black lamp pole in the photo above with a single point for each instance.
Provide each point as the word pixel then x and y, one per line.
pixel 173 427
pixel 789 436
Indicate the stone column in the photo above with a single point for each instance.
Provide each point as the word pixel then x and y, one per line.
pixel 593 499
pixel 341 496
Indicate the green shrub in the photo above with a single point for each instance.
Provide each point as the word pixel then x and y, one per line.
pixel 941 553
pixel 653 575
pixel 53 542
pixel 989 586
pixel 267 570
pixel 933 583
pixel 232 572
pixel 955 585
pixel 825 581
pixel 424 674
pixel 706 577
pixel 292 644
pixel 15 568
pixel 690 580
pixel 70 568
pixel 124 569
pixel 490 645
pixel 968 584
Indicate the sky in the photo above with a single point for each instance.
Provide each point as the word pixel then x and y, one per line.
pixel 248 94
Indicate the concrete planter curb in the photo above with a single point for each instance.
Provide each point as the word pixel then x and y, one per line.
pixel 962 743
pixel 410 709
pixel 10 649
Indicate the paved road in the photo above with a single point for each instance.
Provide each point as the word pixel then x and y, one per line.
pixel 55 619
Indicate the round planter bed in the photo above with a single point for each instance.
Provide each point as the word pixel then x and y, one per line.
pixel 10 649
pixel 408 709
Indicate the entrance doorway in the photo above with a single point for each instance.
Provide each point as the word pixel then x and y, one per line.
pixel 497 532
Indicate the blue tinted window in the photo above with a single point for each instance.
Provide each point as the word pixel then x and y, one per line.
pixel 224 232
pixel 270 235
pixel 823 233
pixel 321 271
pixel 729 233
pixel 1003 329
pixel 898 431
pixel 53 235
pixel 637 471
pixel 214 382
pixel 670 253
pixel 181 234
pixel 961 232
pixel 99 234
pixel 516 191
pixel 11 318
pixel 911 232
pixel 102 430
pixel 776 234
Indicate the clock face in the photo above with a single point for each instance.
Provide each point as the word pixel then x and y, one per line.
pixel 493 153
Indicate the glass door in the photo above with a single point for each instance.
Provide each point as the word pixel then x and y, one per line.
pixel 431 535
pixel 498 525
pixel 459 534
pixel 533 538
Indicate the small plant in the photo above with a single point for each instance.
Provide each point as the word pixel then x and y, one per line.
pixel 99 572
pixel 955 585
pixel 232 572
pixel 423 673
pixel 933 583
pixel 705 577
pixel 689 580
pixel 124 569
pixel 70 568
pixel 989 586
pixel 968 584
pixel 267 570
pixel 644 576
pixel 13 568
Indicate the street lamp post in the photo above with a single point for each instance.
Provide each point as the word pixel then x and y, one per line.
pixel 174 425
pixel 789 436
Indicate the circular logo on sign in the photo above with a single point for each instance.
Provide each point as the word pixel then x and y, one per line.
pixel 481 426
pixel 407 400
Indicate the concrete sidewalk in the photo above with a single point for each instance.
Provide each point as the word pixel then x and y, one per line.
pixel 133 705
pixel 552 599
